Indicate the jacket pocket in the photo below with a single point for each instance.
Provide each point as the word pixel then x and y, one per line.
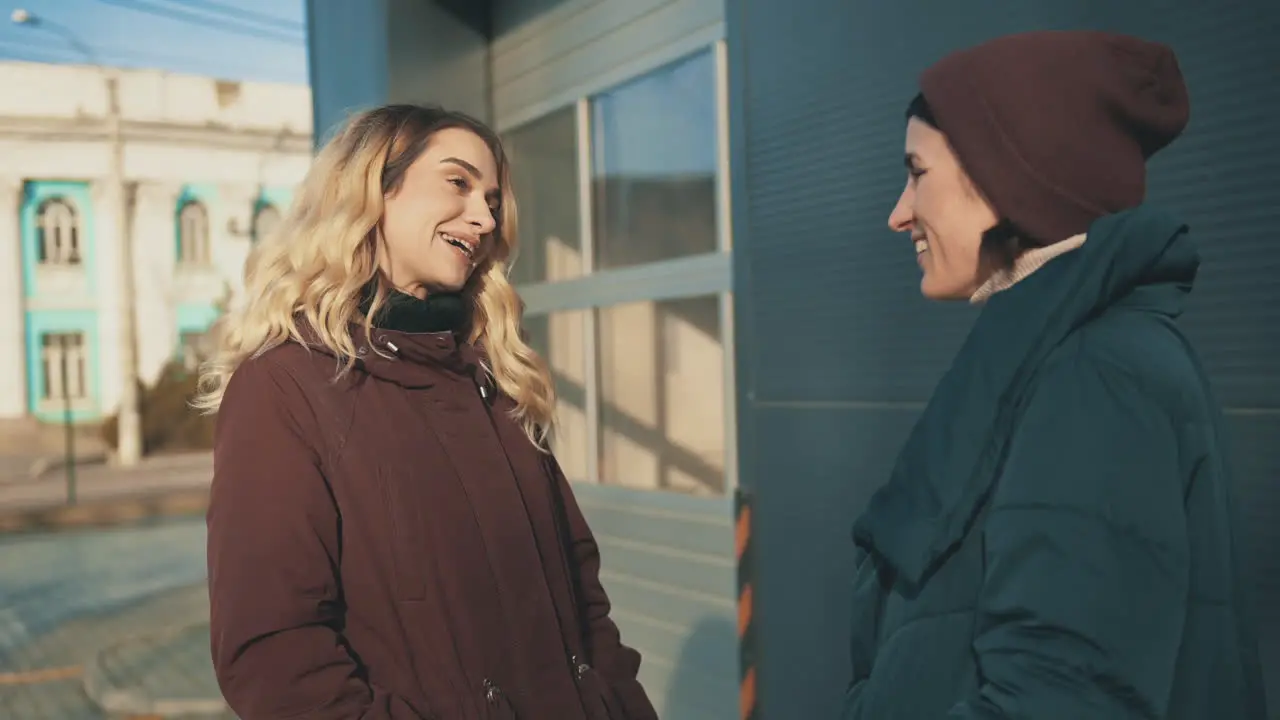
pixel 406 535
pixel 597 696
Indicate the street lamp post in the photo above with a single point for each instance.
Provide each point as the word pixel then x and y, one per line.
pixel 64 357
pixel 129 424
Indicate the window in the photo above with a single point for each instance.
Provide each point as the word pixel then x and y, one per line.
pixel 58 233
pixel 544 175
pixel 64 367
pixel 265 221
pixel 625 272
pixel 662 409
pixel 193 234
pixel 558 338
pixel 653 166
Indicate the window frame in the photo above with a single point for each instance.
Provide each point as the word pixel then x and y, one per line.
pixel 195 250
pixel 51 254
pixel 56 352
pixel 701 275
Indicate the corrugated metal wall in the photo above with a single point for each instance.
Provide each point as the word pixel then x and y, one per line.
pixel 837 352
pixel 668 567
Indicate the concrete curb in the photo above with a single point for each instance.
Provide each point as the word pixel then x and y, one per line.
pixel 106 512
pixel 135 701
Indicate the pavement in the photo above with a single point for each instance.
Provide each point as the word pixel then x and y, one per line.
pixel 103 604
pixel 150 660
pixel 162 486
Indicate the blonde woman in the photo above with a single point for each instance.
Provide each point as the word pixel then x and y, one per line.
pixel 389 536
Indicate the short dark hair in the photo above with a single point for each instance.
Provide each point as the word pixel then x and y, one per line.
pixel 1003 242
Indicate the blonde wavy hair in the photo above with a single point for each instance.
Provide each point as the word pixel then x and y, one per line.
pixel 315 269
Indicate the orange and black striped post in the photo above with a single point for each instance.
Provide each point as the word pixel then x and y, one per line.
pixel 746 607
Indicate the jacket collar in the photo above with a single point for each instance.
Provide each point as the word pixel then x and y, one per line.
pixel 950 461
pixel 413 341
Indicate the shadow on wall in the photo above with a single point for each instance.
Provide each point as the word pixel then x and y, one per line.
pixel 704 681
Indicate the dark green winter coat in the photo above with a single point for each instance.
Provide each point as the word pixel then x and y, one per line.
pixel 1056 540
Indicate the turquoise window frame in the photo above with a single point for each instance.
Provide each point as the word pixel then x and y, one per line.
pixel 43 322
pixel 35 193
pixel 204 193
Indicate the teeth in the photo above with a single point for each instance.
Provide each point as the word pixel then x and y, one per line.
pixel 921 246
pixel 465 248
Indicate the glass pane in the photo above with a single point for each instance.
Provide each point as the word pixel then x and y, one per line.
pixel 544 176
pixel 558 338
pixel 662 395
pixel 654 166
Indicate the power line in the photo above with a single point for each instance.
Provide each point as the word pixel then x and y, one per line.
pixel 197 18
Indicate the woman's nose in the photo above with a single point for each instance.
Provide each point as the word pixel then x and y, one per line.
pixel 901 218
pixel 482 219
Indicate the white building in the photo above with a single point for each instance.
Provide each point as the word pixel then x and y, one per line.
pixel 207 166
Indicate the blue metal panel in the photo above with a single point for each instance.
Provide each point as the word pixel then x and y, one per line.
pixel 668 565
pixel 347 43
pixel 837 352
pixel 42 322
pixel 36 192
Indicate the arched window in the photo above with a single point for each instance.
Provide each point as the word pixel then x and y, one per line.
pixel 193 234
pixel 58 232
pixel 265 222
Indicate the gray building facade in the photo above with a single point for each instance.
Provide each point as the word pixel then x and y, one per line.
pixel 704 190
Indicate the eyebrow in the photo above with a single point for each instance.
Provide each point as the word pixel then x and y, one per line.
pixel 472 169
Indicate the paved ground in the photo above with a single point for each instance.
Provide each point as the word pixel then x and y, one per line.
pixel 160 487
pixel 98 482
pixel 114 617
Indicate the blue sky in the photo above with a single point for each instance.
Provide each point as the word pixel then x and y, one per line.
pixel 230 39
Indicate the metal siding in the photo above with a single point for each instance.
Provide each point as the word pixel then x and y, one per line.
pixel 579 48
pixel 820 88
pixel 347 59
pixel 433 56
pixel 667 564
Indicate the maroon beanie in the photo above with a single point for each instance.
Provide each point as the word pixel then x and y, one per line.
pixel 1055 127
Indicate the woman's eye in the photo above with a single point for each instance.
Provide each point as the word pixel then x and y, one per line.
pixel 458 182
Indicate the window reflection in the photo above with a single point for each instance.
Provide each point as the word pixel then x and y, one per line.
pixel 654 166
pixel 558 338
pixel 544 175
pixel 662 395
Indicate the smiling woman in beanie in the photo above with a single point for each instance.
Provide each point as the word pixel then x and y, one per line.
pixel 1057 537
